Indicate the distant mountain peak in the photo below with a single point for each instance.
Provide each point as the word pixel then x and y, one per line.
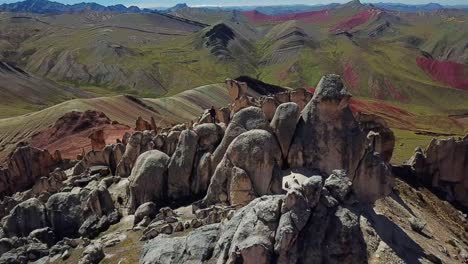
pixel 178 7
pixel 50 7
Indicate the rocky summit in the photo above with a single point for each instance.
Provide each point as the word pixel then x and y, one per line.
pixel 285 177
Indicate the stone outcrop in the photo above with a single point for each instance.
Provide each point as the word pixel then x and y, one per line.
pixel 181 166
pixel 261 166
pixel 329 137
pixel 65 214
pixel 444 167
pixel 385 142
pixel 25 166
pixel 284 125
pixel 243 121
pixel 148 181
pixel 25 217
pixel 142 125
pixel 98 140
pixel 138 143
pixel 299 227
pixel 109 156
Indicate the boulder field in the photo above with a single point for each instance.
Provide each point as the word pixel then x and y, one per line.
pixel 287 178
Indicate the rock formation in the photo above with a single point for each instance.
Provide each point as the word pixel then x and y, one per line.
pixel 148 180
pixel 98 141
pixel 299 227
pixel 181 166
pixel 24 167
pixel 444 167
pixel 138 143
pixel 142 125
pixel 261 167
pixel 335 163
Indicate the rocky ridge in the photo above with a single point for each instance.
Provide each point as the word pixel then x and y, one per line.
pixel 288 178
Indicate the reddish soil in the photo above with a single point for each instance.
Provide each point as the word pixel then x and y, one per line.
pixel 310 17
pixel 351 78
pixel 310 89
pixel 394 116
pixel 395 93
pixel 447 72
pixel 70 133
pixel 354 21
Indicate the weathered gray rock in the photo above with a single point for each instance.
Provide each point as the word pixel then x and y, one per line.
pixel 148 179
pixel 197 247
pixel 284 125
pixel 339 185
pixel 312 188
pixel 329 137
pixel 181 166
pixel 384 144
pixel 99 202
pixel 65 214
pixel 291 228
pixel 145 210
pixel 45 235
pixel 171 142
pixel 241 190
pixel 249 237
pixel 25 217
pixel 443 166
pixel 209 136
pixel 92 254
pixel 373 178
pixel 201 179
pixel 295 214
pixel 243 121
pixel 138 143
pixel 261 165
pixel 344 242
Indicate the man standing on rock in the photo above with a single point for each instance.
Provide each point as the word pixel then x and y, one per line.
pixel 213 114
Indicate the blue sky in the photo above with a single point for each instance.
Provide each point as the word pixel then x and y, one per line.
pixel 162 3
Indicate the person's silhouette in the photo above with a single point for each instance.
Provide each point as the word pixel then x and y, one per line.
pixel 213 114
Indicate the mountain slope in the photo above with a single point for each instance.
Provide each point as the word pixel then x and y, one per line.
pixel 183 107
pixel 22 92
pixel 50 7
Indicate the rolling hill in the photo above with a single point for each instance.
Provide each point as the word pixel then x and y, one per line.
pixel 125 110
pixel 413 62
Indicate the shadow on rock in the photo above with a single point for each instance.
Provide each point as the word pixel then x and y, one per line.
pixel 403 245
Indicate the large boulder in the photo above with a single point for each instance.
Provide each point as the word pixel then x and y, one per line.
pixel 138 143
pixel 148 179
pixel 181 166
pixel 444 166
pixel 197 247
pixel 65 214
pixel 99 202
pixel 249 237
pixel 262 166
pixel 243 121
pixel 209 136
pixel 284 125
pixel 25 217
